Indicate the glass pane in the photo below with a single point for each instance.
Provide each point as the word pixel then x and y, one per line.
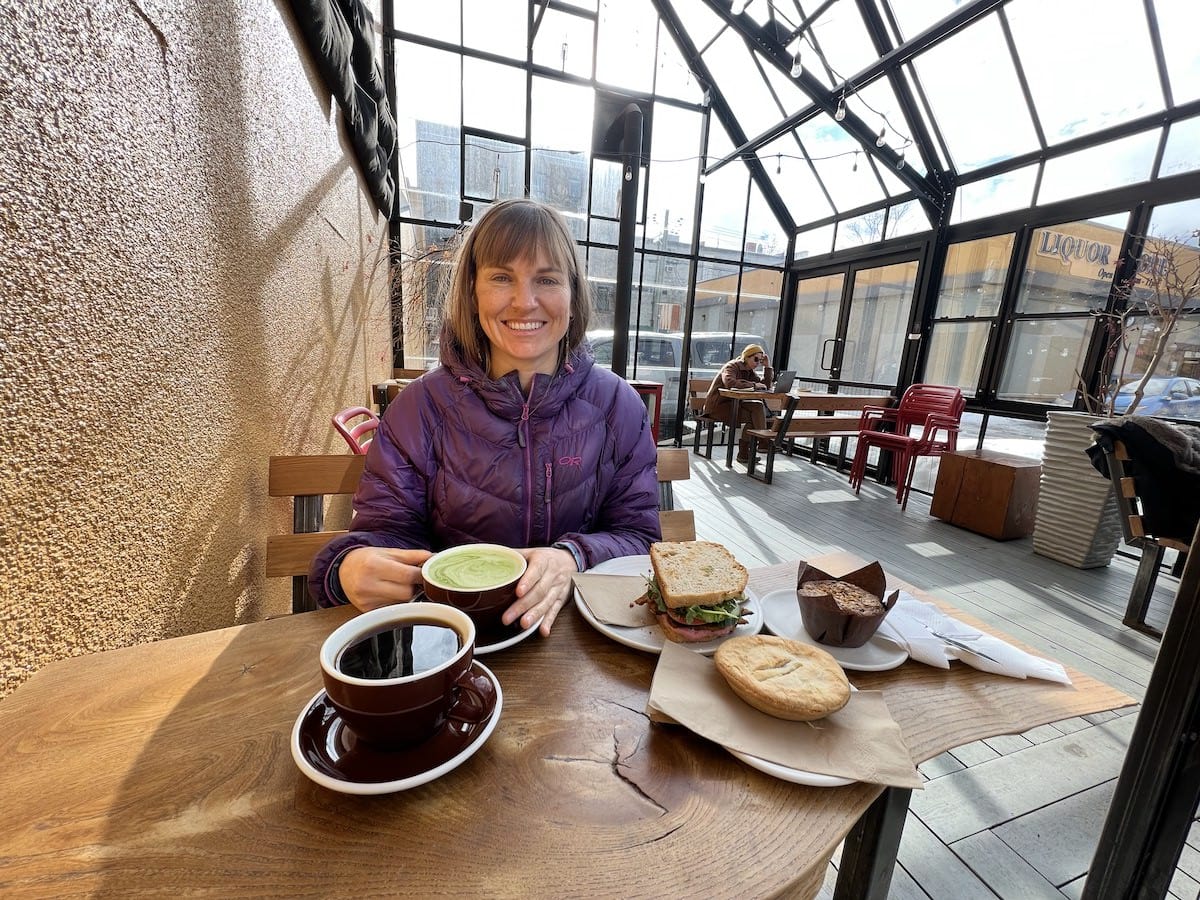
pixel 1177 31
pixel 426 255
pixel 1183 148
pixel 914 16
pixel 673 78
pixel 861 230
pixel 794 179
pixel 427 125
pixel 1043 360
pixel 1174 391
pixel 716 291
pixel 700 22
pixel 664 287
pixel 1058 42
pixel 723 222
pixel 976 97
pixel 626 45
pixel 495 170
pixel 606 188
pixel 1070 267
pixel 876 105
pixel 493 97
pixel 564 42
pixel 995 195
pixel 562 116
pixel 840 164
pixel 1112 165
pixel 878 325
pixel 956 351
pixel 907 218
pixel 560 179
pixel 973 278
pixel 497 26
pixel 758 312
pixel 602 278
pixel 1177 221
pixel 435 20
pixel 675 144
pixel 815 324
pixel 765 240
pixel 842 38
pixel 738 80
pixel 814 242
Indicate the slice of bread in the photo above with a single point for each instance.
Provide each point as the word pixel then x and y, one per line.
pixel 696 573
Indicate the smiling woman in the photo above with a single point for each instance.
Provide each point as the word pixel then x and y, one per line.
pixel 516 439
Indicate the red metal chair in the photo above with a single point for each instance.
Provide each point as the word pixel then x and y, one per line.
pixel 358 434
pixel 935 409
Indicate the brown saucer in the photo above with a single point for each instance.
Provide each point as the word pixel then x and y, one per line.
pixel 330 754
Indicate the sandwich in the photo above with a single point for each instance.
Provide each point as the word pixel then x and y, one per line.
pixel 697 590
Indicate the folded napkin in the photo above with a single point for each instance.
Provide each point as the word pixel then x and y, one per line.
pixel 860 741
pixel 916 626
pixel 611 598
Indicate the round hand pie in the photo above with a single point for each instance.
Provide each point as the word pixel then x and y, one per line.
pixel 782 677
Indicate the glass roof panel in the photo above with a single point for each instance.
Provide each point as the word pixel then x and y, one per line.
pixel 860 230
pixel 992 196
pixel 840 165
pixel 914 16
pixel 876 105
pixel 700 22
pixel 673 77
pixel 976 98
pixel 1089 64
pixel 582 4
pixel 789 94
pixel 814 242
pixel 1111 165
pixel 564 42
pixel 1177 28
pixel 742 86
pixel 763 234
pixel 842 39
pixel 1183 148
pixel 912 156
pixel 498 26
pixel 493 96
pixel 625 51
pixel 794 179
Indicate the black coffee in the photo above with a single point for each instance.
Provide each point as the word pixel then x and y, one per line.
pixel 398 651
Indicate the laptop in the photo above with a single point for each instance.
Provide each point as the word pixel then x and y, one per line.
pixel 783 381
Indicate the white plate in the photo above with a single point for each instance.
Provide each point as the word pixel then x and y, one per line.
pixel 321 736
pixel 650 637
pixel 795 776
pixel 485 649
pixel 782 614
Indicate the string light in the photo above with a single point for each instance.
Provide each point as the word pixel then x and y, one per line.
pixel 900 160
pixel 854 168
pixel 879 141
pixel 840 115
pixel 797 65
pixel 778 163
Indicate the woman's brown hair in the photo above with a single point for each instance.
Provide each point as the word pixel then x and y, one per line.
pixel 508 231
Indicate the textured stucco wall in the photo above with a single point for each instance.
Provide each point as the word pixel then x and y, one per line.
pixel 191 280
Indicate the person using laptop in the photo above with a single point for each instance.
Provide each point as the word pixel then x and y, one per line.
pixel 741 373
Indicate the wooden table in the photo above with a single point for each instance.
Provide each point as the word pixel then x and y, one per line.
pixel 803 400
pixel 165 768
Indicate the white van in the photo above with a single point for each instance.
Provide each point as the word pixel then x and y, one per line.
pixel 658 356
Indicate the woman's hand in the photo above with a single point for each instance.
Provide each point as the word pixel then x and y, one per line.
pixel 378 576
pixel 543 589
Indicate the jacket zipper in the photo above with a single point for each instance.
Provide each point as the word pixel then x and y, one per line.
pixel 549 482
pixel 522 441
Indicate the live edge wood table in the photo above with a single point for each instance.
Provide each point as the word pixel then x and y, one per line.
pixel 165 769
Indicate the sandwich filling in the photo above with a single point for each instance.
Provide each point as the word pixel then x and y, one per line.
pixel 727 612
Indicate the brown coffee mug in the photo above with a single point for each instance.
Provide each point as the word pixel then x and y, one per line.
pixel 399 673
pixel 479 579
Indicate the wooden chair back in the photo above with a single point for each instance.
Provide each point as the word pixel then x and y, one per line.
pixel 308 480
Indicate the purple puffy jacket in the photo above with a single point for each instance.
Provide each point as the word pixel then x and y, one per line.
pixel 460 457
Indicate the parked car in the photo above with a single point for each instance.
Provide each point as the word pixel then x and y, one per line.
pixel 658 356
pixel 1163 396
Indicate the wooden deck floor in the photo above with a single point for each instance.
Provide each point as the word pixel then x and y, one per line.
pixel 1016 816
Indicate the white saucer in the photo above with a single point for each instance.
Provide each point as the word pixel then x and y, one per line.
pixel 782 614
pixel 650 637
pixel 485 649
pixel 320 750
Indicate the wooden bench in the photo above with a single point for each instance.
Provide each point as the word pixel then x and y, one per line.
pixel 308 480
pixel 787 429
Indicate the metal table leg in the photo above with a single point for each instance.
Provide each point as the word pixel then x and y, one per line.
pixel 869 853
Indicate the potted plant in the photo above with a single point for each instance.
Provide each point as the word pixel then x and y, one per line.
pixel 1077 513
